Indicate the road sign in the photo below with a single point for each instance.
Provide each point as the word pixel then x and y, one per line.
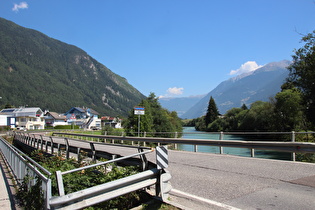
pixel 139 110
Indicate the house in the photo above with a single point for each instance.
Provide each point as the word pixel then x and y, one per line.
pixel 7 120
pixel 31 118
pixel 53 118
pixel 84 117
pixel 114 122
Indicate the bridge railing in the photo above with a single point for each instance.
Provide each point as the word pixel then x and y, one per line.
pixel 103 192
pixel 22 166
pixel 288 146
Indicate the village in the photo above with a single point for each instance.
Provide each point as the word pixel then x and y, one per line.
pixel 33 118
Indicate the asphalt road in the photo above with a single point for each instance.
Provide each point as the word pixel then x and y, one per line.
pixel 232 182
pixel 244 183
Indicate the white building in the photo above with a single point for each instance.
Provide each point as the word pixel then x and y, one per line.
pixel 31 118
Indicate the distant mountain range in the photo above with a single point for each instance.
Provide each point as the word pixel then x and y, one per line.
pixel 37 70
pixel 246 88
pixel 180 104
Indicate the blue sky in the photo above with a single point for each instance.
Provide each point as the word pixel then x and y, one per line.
pixel 172 47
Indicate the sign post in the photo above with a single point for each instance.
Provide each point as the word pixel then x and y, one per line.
pixel 139 111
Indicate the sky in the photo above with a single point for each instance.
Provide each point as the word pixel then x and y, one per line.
pixel 172 48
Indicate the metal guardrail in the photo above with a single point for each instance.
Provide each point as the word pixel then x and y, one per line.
pixel 103 192
pixel 23 166
pixel 106 191
pixel 59 173
pixel 301 147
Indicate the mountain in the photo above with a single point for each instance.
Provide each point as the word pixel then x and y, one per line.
pixel 180 104
pixel 243 89
pixel 37 70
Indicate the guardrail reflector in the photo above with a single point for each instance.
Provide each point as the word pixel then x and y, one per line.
pixel 161 157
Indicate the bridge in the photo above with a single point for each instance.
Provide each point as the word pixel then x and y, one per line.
pixel 214 181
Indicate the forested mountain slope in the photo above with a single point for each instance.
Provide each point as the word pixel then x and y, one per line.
pixel 40 71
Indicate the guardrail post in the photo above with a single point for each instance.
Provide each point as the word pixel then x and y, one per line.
pixel 144 135
pixel 252 152
pixel 67 148
pixel 61 189
pixel 195 148
pixel 143 160
pixel 33 140
pixel 29 139
pixel 41 142
pixel 52 145
pixel 93 151
pixel 26 139
pixel 48 193
pixel 221 138
pixel 58 148
pixel 37 142
pixel 293 140
pixel 78 154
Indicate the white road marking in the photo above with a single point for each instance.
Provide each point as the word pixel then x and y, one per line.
pixel 204 200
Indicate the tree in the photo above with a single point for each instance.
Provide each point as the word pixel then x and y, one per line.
pixel 212 112
pixel 302 74
pixel 156 119
pixel 200 124
pixel 288 110
pixel 260 117
pixel 244 107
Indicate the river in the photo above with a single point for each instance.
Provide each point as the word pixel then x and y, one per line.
pixel 191 133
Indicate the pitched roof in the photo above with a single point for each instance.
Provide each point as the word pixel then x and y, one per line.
pixel 83 110
pixel 56 116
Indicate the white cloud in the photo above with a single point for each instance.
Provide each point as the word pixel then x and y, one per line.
pixel 173 91
pixel 21 5
pixel 246 67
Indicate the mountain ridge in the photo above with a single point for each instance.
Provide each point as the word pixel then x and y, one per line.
pixel 257 85
pixel 41 71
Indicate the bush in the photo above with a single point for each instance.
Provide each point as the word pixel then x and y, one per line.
pixel 31 197
pixel 67 127
pixel 78 181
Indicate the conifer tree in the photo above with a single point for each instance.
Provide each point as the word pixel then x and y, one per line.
pixel 212 112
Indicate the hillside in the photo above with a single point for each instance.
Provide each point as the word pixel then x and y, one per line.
pixel 40 71
pixel 243 89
